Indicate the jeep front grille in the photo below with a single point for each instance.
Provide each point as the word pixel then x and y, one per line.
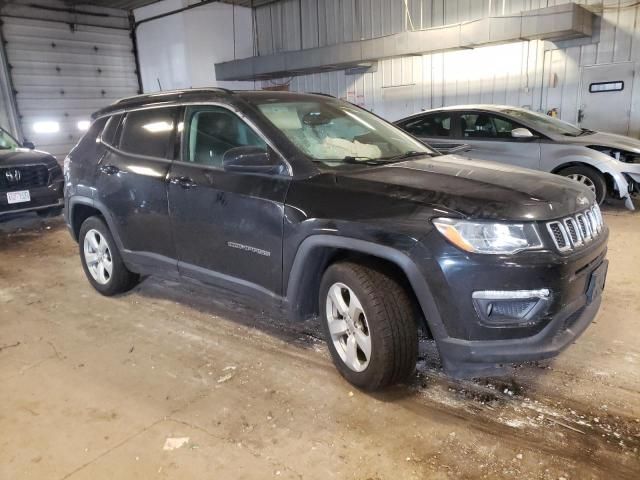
pixel 573 232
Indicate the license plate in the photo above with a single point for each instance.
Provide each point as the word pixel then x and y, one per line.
pixel 597 281
pixel 19 197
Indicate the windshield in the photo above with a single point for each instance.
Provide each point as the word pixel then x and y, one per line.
pixel 545 122
pixel 7 142
pixel 335 132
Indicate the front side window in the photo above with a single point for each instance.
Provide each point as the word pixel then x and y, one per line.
pixel 433 125
pixel 150 132
pixel 334 132
pixel 486 125
pixel 7 142
pixel 213 131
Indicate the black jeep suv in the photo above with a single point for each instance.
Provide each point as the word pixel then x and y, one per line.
pixel 30 180
pixel 313 204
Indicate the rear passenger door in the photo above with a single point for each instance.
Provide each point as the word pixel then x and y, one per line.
pixel 132 183
pixel 227 225
pixel 489 136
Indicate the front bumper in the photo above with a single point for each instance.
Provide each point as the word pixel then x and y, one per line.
pixel 468 358
pixel 42 198
pixel 468 345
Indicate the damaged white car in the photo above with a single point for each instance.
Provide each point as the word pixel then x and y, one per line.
pixel 608 164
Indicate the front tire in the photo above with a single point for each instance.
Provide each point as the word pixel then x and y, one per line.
pixel 590 178
pixel 101 259
pixel 368 322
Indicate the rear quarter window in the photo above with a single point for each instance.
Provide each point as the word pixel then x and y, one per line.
pixel 95 129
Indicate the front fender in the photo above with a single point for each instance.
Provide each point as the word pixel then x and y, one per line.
pixel 304 266
pixel 572 155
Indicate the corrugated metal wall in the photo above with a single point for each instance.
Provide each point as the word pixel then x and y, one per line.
pixel 65 68
pixel 516 74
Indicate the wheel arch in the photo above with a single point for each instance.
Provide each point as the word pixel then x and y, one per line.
pixel 609 179
pixel 81 208
pixel 317 252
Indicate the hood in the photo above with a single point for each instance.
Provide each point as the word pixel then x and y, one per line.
pixel 24 156
pixel 475 189
pixel 606 140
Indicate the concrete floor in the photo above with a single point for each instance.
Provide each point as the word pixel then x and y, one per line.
pixel 92 387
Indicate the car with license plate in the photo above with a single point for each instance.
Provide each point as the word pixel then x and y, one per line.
pixel 317 208
pixel 30 180
pixel 608 164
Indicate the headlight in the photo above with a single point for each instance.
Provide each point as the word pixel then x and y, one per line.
pixel 489 237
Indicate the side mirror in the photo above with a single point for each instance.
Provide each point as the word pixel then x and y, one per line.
pixel 522 133
pixel 250 160
pixel 28 145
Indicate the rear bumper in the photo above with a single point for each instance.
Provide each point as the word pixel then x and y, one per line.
pixel 42 198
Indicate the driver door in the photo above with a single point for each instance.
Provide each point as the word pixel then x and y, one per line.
pixel 227 226
pixel 489 136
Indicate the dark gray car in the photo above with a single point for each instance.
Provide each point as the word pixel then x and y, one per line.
pixel 608 164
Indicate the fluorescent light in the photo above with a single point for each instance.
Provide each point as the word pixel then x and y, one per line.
pixel 157 127
pixel 83 125
pixel 46 127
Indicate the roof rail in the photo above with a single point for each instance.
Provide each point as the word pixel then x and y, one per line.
pixel 174 92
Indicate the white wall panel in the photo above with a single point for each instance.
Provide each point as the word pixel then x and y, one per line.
pixel 199 38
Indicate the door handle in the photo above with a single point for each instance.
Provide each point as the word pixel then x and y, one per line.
pixel 184 182
pixel 109 169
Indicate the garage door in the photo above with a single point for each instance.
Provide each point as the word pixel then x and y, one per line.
pixel 62 73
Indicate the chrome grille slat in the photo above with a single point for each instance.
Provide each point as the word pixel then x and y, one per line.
pixel 573 232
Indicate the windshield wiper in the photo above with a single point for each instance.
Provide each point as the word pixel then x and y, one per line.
pixel 362 160
pixel 585 131
pixel 352 160
pixel 405 155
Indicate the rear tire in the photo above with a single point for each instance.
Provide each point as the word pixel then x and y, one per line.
pixel 589 177
pixel 101 259
pixel 365 311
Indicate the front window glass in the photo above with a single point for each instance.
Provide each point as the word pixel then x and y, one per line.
pixel 335 132
pixel 7 142
pixel 215 130
pixel 545 122
pixel 485 125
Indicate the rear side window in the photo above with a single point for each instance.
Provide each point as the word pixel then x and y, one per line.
pixel 150 132
pixel 434 125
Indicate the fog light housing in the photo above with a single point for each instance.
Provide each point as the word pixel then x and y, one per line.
pixel 509 308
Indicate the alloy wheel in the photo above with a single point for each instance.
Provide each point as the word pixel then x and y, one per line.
pixel 97 256
pixel 348 326
pixel 584 180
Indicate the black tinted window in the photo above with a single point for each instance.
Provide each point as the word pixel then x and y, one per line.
pixel 434 125
pixel 150 132
pixel 485 125
pixel 215 130
pixel 109 132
